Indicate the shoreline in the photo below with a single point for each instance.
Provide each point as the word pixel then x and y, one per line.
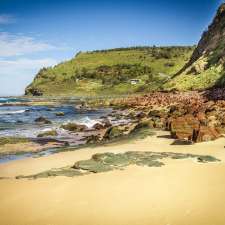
pixel 177 193
pixel 156 143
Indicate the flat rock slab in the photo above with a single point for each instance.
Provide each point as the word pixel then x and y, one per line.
pixel 109 161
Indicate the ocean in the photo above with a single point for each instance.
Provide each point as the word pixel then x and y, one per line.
pixel 20 120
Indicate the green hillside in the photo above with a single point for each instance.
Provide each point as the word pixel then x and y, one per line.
pixel 110 72
pixel 206 67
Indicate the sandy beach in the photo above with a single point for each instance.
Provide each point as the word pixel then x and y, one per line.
pixel 182 192
pixel 112 113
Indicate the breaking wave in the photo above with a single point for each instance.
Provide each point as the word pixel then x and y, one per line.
pixel 6 112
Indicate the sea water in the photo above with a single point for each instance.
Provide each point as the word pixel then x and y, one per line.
pixel 19 120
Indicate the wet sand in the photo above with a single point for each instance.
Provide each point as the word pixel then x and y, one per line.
pixel 181 193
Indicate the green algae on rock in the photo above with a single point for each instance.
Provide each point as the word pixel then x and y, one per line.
pixel 12 140
pixel 73 127
pixel 48 133
pixel 104 162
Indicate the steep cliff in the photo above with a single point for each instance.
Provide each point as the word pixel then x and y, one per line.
pixel 206 65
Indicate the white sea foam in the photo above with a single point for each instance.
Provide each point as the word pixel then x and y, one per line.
pixel 88 122
pixel 84 121
pixel 11 112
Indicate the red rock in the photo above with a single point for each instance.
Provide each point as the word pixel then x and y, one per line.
pixel 183 127
pixel 202 118
pixel 98 126
pixel 206 134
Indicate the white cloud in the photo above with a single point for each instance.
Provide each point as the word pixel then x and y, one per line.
pixel 15 45
pixel 9 67
pixel 6 19
pixel 15 75
pixel 17 63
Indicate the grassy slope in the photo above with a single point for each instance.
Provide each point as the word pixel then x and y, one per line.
pixel 206 67
pixel 190 81
pixel 61 79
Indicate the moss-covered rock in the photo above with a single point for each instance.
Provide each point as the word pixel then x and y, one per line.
pixel 74 127
pixel 92 166
pixel 146 123
pixel 114 132
pixel 12 140
pixel 60 114
pixel 93 139
pixel 67 172
pixel 157 113
pixel 48 133
pixel 109 161
pixel 116 160
pixel 42 120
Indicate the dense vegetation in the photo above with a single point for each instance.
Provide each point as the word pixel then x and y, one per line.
pixel 106 72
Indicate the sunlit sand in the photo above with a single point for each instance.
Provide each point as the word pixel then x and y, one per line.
pixel 182 192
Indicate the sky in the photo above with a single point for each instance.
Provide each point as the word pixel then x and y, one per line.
pixel 42 33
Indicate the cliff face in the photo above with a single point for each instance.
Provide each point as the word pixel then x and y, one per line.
pixel 207 62
pixel 212 43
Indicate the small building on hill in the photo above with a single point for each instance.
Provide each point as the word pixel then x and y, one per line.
pixel 135 81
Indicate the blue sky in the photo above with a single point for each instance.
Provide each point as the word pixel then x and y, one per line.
pixel 37 33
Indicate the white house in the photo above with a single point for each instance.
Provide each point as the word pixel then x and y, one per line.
pixel 135 81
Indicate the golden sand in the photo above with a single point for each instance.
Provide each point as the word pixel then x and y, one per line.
pixel 181 193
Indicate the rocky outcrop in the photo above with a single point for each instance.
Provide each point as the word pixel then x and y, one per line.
pixel 190 116
pixel 98 126
pixel 211 48
pixel 42 120
pixel 189 128
pixel 73 127
pixel 205 133
pixel 48 133
pixel 105 162
pixel 184 127
pixel 60 114
pixel 33 91
pixel 114 132
pixel 93 139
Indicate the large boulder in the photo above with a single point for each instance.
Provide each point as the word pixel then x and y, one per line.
pixel 106 122
pixel 141 115
pixel 73 127
pixel 93 139
pixel 48 133
pixel 60 114
pixel 193 128
pixel 177 111
pixel 145 123
pixel 159 123
pixel 114 132
pixel 206 134
pixel 98 126
pixel 202 118
pixel 213 122
pixel 42 120
pixel 159 113
pixel 183 127
pixel 221 130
